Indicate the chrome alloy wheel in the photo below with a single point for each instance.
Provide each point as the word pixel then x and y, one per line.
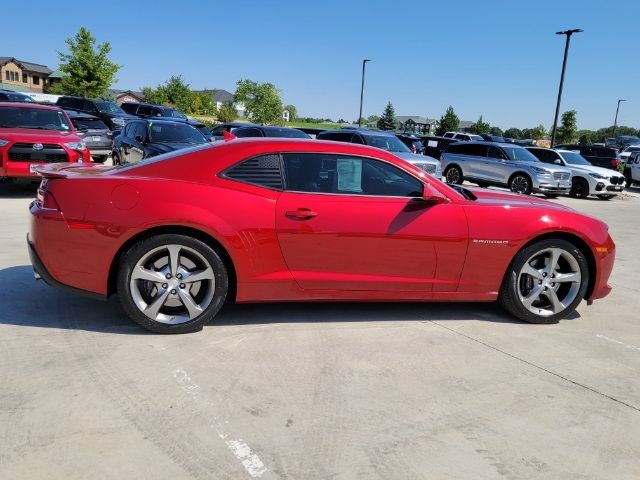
pixel 520 184
pixel 172 284
pixel 549 281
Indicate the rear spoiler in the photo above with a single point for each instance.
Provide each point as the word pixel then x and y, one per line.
pixel 62 170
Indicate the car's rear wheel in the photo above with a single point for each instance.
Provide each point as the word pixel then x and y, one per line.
pixel 520 183
pixel 454 175
pixel 172 283
pixel 545 282
pixel 115 158
pixel 579 188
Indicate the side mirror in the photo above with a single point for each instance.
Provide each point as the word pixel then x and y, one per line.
pixel 431 195
pixel 557 161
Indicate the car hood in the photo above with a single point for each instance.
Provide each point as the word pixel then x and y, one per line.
pixel 38 136
pixel 547 166
pixel 489 196
pixel 607 172
pixel 414 157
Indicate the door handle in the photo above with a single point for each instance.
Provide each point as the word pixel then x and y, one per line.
pixel 301 214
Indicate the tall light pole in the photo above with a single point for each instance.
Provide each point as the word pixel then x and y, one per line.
pixel 615 122
pixel 364 62
pixel 568 33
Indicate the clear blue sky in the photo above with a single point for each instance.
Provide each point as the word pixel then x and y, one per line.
pixel 500 59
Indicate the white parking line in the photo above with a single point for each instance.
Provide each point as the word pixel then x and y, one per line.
pixel 630 347
pixel 250 460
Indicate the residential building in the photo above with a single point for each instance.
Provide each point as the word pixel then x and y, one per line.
pixel 417 124
pixel 220 96
pixel 23 76
pixel 122 96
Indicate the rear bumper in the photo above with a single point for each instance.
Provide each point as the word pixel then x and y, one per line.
pixel 41 272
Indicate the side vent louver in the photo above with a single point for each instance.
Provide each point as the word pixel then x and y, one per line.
pixel 264 171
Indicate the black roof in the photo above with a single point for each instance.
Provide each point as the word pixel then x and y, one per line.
pixel 76 114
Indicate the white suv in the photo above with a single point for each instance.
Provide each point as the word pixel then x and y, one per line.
pixel 632 169
pixel 586 179
pixel 464 137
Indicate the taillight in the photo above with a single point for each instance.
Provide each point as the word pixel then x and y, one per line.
pixel 45 198
pixel 615 162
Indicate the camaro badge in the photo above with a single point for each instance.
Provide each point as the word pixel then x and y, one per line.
pixel 491 242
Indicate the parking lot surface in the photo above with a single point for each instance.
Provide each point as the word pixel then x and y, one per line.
pixel 318 391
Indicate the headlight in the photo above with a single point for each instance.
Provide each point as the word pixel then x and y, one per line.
pixel 541 171
pixel 598 176
pixel 79 146
pixel 3 142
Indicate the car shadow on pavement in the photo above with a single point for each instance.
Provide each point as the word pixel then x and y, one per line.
pixel 30 303
pixel 18 190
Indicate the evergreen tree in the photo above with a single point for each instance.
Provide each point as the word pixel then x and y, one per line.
pixel 388 119
pixel 480 127
pixel 449 122
pixel 227 112
pixel 88 72
pixel 568 129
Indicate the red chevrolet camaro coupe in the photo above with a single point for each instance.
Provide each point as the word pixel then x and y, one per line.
pixel 264 220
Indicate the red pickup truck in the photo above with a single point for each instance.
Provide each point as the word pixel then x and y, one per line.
pixel 31 135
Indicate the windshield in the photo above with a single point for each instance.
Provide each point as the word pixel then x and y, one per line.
pixel 520 154
pixel 285 133
pixel 170 112
pixel 14 117
pixel 109 107
pixel 574 158
pixel 174 133
pixel 476 138
pixel 89 124
pixel 386 142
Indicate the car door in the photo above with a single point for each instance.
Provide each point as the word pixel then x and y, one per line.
pixel 359 224
pixel 476 161
pixel 132 144
pixel 496 165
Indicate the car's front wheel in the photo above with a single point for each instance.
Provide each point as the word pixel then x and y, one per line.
pixel 579 188
pixel 172 283
pixel 520 183
pixel 115 158
pixel 545 282
pixel 453 175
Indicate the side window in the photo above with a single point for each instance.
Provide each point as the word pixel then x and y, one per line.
pixel 139 129
pixel 476 150
pixel 494 152
pixel 263 171
pixel 357 139
pixel 340 174
pixel 89 107
pixel 217 131
pixel 247 132
pixel 144 110
pixel 156 112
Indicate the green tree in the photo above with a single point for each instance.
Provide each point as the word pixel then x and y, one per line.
pixel 373 119
pixel 585 137
pixel 480 127
pixel 202 104
pixel 293 112
pixel 174 92
pixel 388 119
pixel 538 133
pixel 88 72
pixel 261 101
pixel 449 122
pixel 568 129
pixel 513 133
pixel 496 131
pixel 227 112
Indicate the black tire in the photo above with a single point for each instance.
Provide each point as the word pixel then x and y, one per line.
pixel 509 295
pixel 101 158
pixel 521 183
pixel 453 175
pixel 605 197
pixel 579 188
pixel 115 158
pixel 138 251
pixel 551 195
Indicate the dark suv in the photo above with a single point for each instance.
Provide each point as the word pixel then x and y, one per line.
pixel 151 110
pixel 109 112
pixel 606 157
pixel 11 96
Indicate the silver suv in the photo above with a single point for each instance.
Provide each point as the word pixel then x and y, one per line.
pixel 504 165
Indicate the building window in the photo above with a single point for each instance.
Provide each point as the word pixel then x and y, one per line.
pixel 14 76
pixel 36 80
pixel 24 78
pixel 6 74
